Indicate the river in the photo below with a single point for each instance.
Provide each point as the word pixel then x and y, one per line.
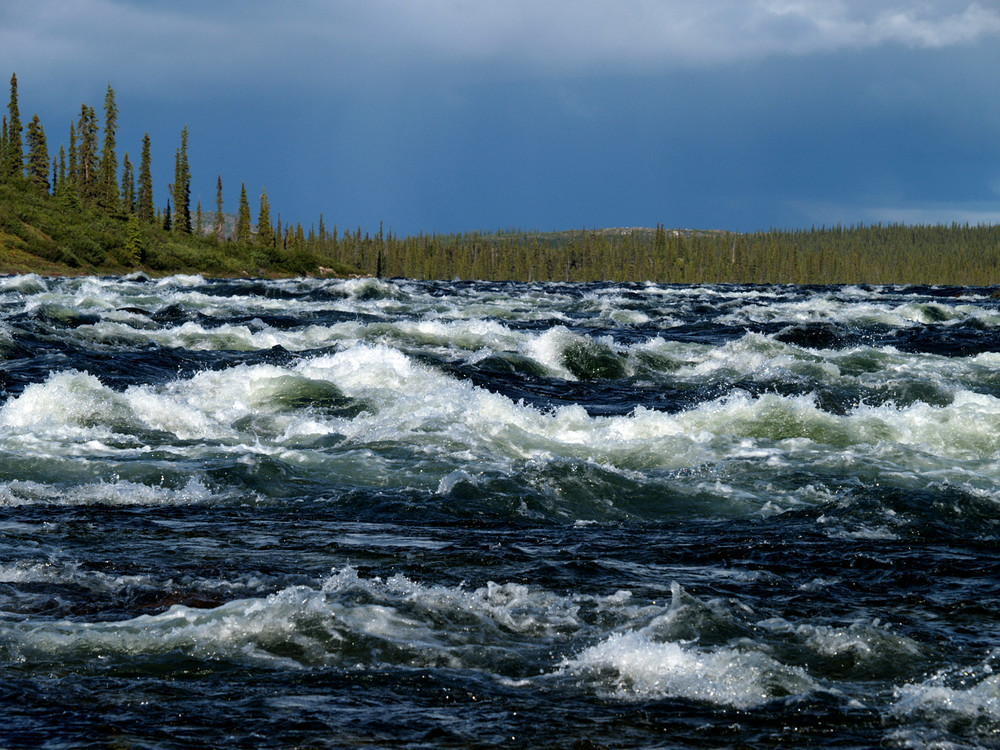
pixel 370 513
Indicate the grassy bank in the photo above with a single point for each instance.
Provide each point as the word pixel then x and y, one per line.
pixel 50 235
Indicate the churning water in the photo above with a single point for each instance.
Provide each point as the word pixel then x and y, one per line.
pixel 366 513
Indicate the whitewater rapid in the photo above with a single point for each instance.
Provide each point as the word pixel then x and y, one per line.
pixel 671 508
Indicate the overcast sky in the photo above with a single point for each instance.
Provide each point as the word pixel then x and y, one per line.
pixel 454 115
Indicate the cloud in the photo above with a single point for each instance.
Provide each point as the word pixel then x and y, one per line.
pixel 573 33
pixel 892 212
pixel 229 41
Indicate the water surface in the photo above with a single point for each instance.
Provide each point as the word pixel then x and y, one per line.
pixel 386 513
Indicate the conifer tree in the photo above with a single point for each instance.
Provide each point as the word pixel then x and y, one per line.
pixel 55 175
pixel 182 187
pixel 199 226
pixel 135 245
pixel 72 177
pixel 13 155
pixel 3 150
pixel 38 155
pixel 107 191
pixel 265 234
pixel 144 197
pixel 86 157
pixel 128 186
pixel 220 218
pixel 243 232
pixel 167 217
pixel 60 187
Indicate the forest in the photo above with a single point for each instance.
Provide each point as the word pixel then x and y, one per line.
pixel 81 210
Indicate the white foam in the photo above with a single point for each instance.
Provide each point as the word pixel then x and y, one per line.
pixel 448 423
pixel 181 280
pixel 302 626
pixel 978 699
pixel 634 666
pixel 115 493
pixel 25 284
pixel 67 573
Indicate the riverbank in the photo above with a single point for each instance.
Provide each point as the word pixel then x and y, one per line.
pixel 48 235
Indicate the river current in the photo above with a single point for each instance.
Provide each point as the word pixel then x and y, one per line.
pixel 367 513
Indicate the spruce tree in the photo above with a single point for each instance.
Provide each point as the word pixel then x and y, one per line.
pixel 128 186
pixel 3 150
pixel 199 225
pixel 220 218
pixel 107 190
pixel 86 156
pixel 72 177
pixel 243 231
pixel 182 187
pixel 265 233
pixel 167 217
pixel 60 187
pixel 144 197
pixel 13 156
pixel 38 155
pixel 135 244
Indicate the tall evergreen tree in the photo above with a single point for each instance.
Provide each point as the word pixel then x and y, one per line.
pixel 38 155
pixel 243 231
pixel 3 150
pixel 59 188
pixel 199 224
pixel 128 186
pixel 144 197
pixel 265 233
pixel 220 218
pixel 86 156
pixel 182 187
pixel 13 156
pixel 72 177
pixel 167 217
pixel 135 245
pixel 108 195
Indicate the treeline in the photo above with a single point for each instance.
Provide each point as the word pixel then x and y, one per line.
pixel 80 210
pixel 879 254
pixel 83 209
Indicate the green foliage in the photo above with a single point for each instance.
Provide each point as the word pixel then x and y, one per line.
pixel 86 156
pixel 38 156
pixel 12 162
pixel 107 190
pixel 144 197
pixel 265 232
pixel 71 179
pixel 243 229
pixel 219 225
pixel 128 186
pixel 182 187
pixel 135 242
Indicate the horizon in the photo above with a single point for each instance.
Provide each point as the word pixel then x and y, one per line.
pixel 452 118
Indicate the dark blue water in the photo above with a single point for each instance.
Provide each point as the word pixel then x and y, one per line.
pixel 359 513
